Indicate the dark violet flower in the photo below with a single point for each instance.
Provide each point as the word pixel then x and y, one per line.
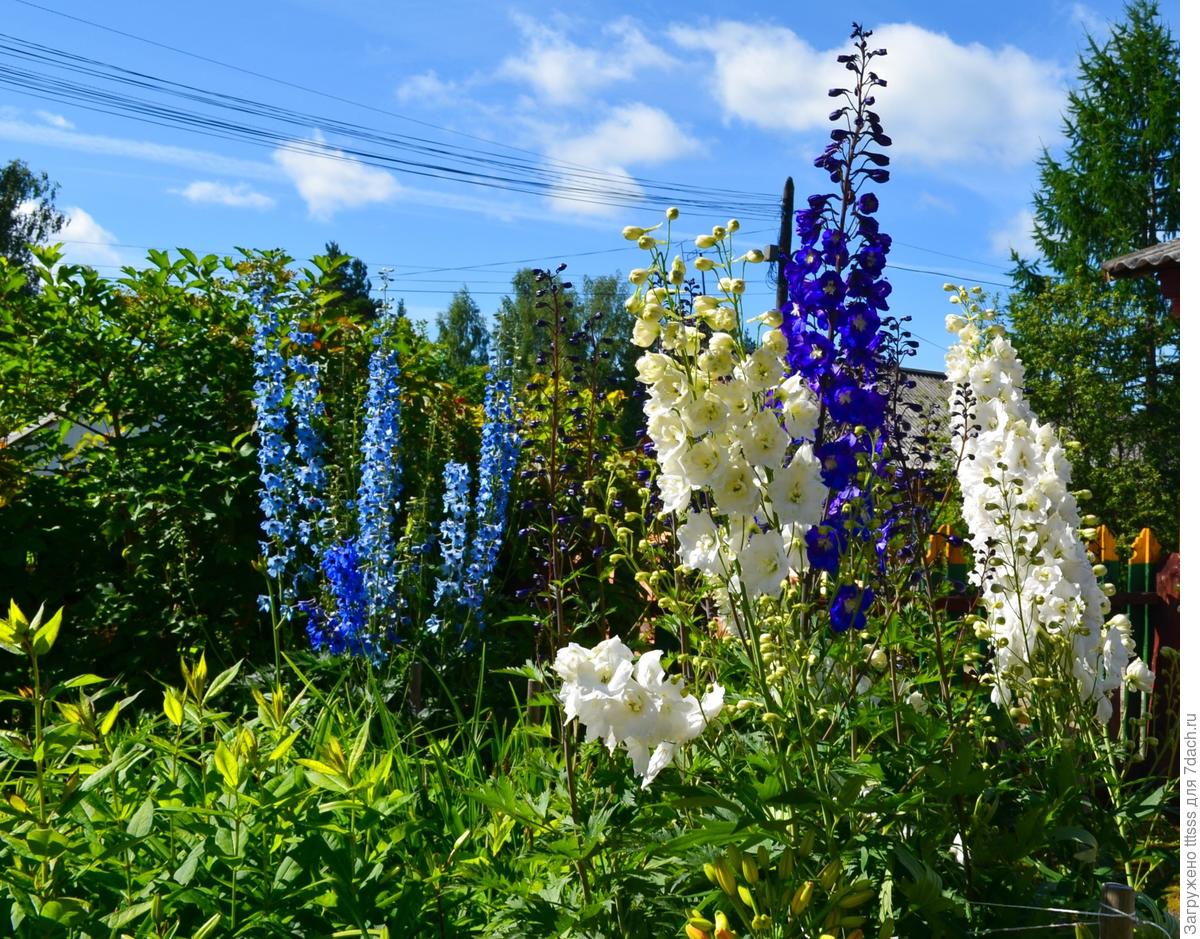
pixel 827 291
pixel 345 628
pixel 850 403
pixel 859 324
pixel 813 355
pixel 807 261
pixel 839 463
pixel 825 544
pixel 868 203
pixel 849 607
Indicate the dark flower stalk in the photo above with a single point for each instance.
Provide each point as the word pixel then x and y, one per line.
pixel 837 292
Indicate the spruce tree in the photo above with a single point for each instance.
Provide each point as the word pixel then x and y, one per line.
pixel 1102 359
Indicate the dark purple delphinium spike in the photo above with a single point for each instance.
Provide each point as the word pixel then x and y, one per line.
pixel 836 288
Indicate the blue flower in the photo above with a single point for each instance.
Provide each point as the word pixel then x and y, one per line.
pixel 274 451
pixel 499 450
pixel 839 463
pixel 850 403
pixel 849 607
pixel 379 487
pixel 453 531
pixel 826 543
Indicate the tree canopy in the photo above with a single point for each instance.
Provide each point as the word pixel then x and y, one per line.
pixel 27 212
pixel 1102 359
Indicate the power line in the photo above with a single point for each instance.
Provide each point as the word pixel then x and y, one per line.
pixel 298 87
pixel 430 158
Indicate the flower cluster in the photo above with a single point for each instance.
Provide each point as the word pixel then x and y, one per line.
pixel 308 480
pixel 632 704
pixel 837 292
pixel 379 487
pixel 1045 609
pixel 274 451
pixel 499 450
pixel 453 531
pixel 725 424
pixel 343 629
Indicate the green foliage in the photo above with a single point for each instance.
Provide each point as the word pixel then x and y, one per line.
pixel 461 331
pixel 1103 360
pixel 1117 188
pixel 27 214
pixel 131 488
pixel 1083 345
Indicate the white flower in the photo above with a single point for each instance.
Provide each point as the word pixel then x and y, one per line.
pixel 762 370
pixel 763 441
pixel 645 331
pixel 736 489
pixel 737 398
pixel 796 491
pixel 917 702
pixel 674 491
pixel 653 367
pixel 700 544
pixel 701 463
pixel 704 414
pixel 1138 674
pixel 632 705
pixel 764 564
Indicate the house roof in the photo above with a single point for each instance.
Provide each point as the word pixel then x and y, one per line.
pixel 1145 261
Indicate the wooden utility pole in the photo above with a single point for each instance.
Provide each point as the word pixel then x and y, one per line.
pixel 782 251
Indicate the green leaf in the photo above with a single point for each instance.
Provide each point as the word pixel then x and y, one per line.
pixel 282 748
pixel 187 870
pixel 173 706
pixel 142 820
pixel 227 764
pixel 43 639
pixel 222 680
pixel 110 719
pixel 209 927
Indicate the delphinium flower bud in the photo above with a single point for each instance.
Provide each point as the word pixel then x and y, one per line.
pixel 678 271
pixel 638 275
pixel 632 232
pixel 704 242
pixel 672 213
pixel 646 242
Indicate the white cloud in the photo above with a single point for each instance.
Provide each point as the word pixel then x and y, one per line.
pixel 86 241
pixel 563 72
pixel 328 179
pixel 631 134
pixel 426 88
pixel 927 200
pixel 945 102
pixel 55 120
pixel 1090 20
pixel 240 196
pixel 24 132
pixel 1015 235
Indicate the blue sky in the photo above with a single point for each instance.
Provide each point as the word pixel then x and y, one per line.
pixel 696 95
